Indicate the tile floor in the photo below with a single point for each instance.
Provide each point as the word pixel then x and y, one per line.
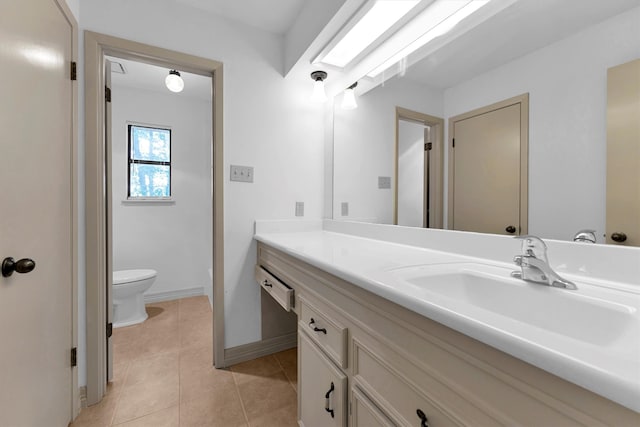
pixel 163 377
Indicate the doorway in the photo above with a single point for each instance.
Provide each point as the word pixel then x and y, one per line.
pixel 488 168
pixel 98 192
pixel 418 195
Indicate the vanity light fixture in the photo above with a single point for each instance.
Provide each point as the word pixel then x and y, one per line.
pixel 349 98
pixel 364 30
pixel 174 82
pixel 439 18
pixel 318 94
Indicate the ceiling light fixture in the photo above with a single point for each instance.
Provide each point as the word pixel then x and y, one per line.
pixel 174 82
pixel 349 98
pixel 318 94
pixel 439 18
pixel 364 31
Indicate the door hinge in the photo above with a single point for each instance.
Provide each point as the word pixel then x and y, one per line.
pixel 107 94
pixel 109 330
pixel 74 356
pixel 74 70
pixel 454 143
pixel 428 146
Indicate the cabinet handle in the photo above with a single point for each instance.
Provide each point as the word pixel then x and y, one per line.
pixel 315 328
pixel 424 422
pixel 327 401
pixel 267 284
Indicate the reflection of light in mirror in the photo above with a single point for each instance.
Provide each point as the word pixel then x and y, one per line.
pixel 382 15
pixel 349 99
pixel 433 13
pixel 43 57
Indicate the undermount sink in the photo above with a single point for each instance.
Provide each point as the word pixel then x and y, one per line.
pixel 580 314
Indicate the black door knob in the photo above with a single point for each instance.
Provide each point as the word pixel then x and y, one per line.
pixel 510 229
pixel 24 265
pixel 619 237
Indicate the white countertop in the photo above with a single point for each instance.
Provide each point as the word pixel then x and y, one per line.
pixel 606 363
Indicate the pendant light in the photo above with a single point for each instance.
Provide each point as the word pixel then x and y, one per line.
pixel 318 94
pixel 174 82
pixel 349 98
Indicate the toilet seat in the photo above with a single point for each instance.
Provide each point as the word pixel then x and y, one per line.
pixel 130 276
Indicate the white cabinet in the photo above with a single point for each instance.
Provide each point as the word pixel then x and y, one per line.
pixel 322 393
pixel 403 369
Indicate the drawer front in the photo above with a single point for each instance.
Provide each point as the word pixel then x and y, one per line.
pixel 278 290
pixel 365 413
pixel 407 398
pixel 325 331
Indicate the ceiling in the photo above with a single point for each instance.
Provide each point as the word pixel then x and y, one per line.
pixel 521 28
pixel 151 77
pixel 274 16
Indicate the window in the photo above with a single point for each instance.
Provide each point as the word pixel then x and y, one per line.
pixel 149 163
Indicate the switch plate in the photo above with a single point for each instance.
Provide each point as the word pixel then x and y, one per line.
pixel 241 173
pixel 299 208
pixel 384 182
pixel 345 208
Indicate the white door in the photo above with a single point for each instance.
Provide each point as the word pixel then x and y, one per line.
pixel 36 214
pixel 485 180
pixel 623 154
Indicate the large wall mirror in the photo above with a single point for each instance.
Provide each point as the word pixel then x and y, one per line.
pixel 564 78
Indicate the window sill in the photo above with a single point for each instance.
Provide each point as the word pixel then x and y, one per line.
pixel 149 202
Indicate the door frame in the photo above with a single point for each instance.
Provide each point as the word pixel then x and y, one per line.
pixel 437 126
pixel 96 46
pixel 523 100
pixel 73 187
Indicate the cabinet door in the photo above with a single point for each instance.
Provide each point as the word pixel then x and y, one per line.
pixel 323 388
pixel 365 413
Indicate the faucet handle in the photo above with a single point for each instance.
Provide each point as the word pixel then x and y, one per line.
pixel 533 246
pixel 585 236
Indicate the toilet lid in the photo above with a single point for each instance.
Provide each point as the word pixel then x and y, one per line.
pixel 128 276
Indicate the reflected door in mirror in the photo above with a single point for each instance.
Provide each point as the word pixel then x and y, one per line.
pixel 486 162
pixel 623 154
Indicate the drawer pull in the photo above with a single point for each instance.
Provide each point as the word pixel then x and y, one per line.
pixel 424 422
pixel 267 284
pixel 315 328
pixel 327 401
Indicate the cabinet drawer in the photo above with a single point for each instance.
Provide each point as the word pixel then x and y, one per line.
pixel 325 331
pixel 401 395
pixel 278 290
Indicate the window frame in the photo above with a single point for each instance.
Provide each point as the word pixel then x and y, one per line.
pixel 131 160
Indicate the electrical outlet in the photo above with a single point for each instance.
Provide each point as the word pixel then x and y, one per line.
pixel 241 173
pixel 299 208
pixel 345 208
pixel 384 182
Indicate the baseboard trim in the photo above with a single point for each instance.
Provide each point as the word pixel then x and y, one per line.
pixel 245 352
pixel 83 397
pixel 171 295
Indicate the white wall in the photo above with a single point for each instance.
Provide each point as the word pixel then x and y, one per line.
pixel 567 83
pixel 74 6
pixel 268 124
pixel 364 141
pixel 173 239
pixel 410 174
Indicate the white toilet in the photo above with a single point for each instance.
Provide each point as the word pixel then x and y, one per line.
pixel 128 299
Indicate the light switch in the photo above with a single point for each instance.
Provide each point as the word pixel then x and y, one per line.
pixel 299 208
pixel 241 173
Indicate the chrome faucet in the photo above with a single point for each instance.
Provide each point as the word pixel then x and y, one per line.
pixel 535 265
pixel 586 236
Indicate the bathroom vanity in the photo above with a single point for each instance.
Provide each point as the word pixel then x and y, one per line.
pixel 380 344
